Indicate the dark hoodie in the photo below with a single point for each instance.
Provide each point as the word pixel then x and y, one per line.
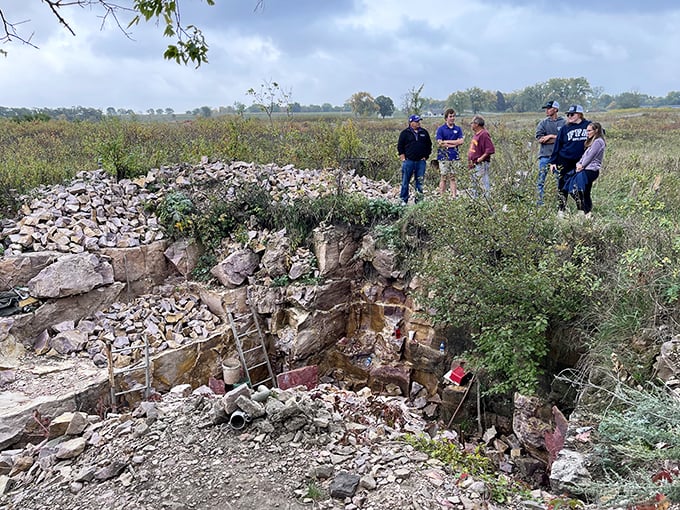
pixel 569 145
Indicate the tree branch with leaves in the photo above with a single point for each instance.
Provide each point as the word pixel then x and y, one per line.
pixel 190 45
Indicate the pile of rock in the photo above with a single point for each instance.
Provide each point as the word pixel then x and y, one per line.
pixel 90 213
pixel 165 322
pixel 94 211
pixel 171 454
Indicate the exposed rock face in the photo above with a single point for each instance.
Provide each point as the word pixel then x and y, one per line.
pixel 569 472
pixel 71 275
pixel 17 270
pixel 668 363
pixel 532 418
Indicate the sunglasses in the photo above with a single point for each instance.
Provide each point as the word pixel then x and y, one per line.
pixel 570 114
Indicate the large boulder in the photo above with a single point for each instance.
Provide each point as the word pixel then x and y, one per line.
pixel 236 268
pixel 71 275
pixel 16 271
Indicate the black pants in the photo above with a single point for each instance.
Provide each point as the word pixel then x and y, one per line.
pixel 562 194
pixel 584 201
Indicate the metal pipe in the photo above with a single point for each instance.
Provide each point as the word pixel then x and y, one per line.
pixel 238 420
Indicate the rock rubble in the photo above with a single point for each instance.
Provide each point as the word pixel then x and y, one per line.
pixel 327 446
pixel 95 212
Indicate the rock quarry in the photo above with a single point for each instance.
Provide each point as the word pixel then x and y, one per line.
pixel 112 362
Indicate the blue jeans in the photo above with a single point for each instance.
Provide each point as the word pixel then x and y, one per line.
pixel 543 168
pixel 480 178
pixel 408 169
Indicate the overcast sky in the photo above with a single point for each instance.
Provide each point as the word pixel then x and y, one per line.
pixel 323 51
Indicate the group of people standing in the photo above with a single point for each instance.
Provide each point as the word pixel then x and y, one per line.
pixel 415 146
pixel 572 149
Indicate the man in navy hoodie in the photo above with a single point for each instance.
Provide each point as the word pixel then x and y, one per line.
pixel 568 149
pixel 414 147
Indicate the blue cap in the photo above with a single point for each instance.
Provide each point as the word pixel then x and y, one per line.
pixel 414 118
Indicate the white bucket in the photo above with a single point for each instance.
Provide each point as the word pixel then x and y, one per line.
pixel 231 371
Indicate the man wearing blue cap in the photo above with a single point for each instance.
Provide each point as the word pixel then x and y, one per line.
pixel 546 133
pixel 414 147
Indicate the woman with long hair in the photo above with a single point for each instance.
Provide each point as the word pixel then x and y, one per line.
pixel 588 167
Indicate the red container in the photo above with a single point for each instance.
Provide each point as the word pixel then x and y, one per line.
pixel 458 376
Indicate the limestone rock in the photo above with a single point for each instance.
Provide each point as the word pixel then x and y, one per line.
pixel 71 275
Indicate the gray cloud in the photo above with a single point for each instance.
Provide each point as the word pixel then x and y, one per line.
pixel 326 51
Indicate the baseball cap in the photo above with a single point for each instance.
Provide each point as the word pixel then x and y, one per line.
pixel 551 104
pixel 414 118
pixel 575 108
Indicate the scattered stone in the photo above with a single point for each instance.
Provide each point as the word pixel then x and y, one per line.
pixel 344 485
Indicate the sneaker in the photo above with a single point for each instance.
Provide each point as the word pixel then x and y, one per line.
pixel 560 214
pixel 588 216
pixel 402 203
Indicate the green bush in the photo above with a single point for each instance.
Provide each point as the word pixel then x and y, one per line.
pixel 504 279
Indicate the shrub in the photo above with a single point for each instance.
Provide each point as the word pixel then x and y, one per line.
pixel 505 280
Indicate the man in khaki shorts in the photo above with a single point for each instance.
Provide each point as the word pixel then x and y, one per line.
pixel 449 137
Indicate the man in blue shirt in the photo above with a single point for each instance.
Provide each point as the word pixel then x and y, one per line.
pixel 414 147
pixel 449 137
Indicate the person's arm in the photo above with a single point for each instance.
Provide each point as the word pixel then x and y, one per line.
pixel 590 154
pixel 458 141
pixel 542 134
pixel 540 131
pixel 556 150
pixel 401 146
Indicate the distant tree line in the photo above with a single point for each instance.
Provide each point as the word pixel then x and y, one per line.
pixel 75 113
pixel 565 90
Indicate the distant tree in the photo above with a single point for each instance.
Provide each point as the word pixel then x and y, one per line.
pixel 295 107
pixel 269 97
pixel 159 111
pixel 326 107
pixel 501 105
pixel 150 111
pixel 477 99
pixel 110 111
pixel 362 104
pixel 412 101
pixel 672 97
pixel 240 108
pixel 169 111
pixel 605 101
pixel 190 45
pixel 385 106
pixel 594 99
pixel 628 100
pixel 567 91
pixel 459 101
pixel 205 112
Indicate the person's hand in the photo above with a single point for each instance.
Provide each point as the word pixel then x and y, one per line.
pixel 553 167
pixel 579 167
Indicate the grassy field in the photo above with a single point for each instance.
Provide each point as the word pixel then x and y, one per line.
pixel 524 283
